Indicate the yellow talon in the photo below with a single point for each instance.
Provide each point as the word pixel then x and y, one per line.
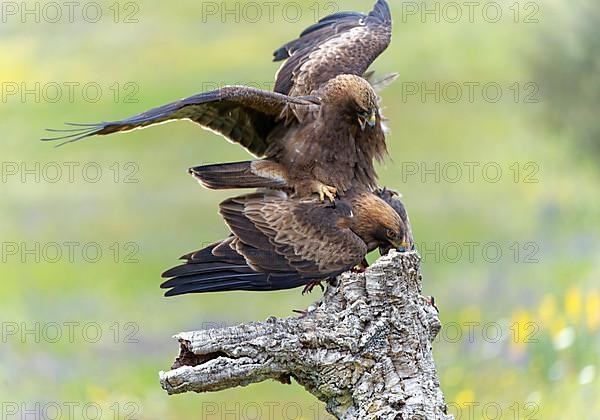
pixel 327 191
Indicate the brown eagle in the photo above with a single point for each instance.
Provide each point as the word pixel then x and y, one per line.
pixel 278 242
pixel 321 129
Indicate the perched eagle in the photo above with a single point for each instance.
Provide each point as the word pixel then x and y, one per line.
pixel 319 132
pixel 278 242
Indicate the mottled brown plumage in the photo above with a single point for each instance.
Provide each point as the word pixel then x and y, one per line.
pixel 337 146
pixel 318 133
pixel 342 43
pixel 279 242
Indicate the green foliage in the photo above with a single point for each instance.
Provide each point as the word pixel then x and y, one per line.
pixel 568 73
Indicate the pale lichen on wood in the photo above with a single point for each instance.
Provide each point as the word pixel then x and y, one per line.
pixel 364 348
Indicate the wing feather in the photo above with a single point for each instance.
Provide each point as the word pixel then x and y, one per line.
pixel 306 234
pixel 276 243
pixel 241 114
pixel 342 43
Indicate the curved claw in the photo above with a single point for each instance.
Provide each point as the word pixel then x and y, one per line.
pixel 310 286
pixel 362 267
pixel 327 191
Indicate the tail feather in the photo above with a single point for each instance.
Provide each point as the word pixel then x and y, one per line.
pixel 237 175
pixel 201 287
pixel 210 267
pixel 219 268
pixel 209 278
pixel 222 281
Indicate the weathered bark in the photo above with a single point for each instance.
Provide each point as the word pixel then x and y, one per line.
pixel 364 348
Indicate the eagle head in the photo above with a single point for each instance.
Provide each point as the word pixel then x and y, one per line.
pixel 378 224
pixel 391 232
pixel 356 97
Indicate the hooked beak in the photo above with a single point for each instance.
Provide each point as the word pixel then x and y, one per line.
pixel 372 121
pixel 401 246
pixel 368 119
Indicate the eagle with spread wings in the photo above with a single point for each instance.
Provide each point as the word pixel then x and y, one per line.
pixel 319 131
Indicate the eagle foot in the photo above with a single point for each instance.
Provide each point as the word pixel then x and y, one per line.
pixel 326 191
pixel 310 286
pixel 361 268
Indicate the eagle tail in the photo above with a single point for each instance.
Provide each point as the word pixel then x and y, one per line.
pixel 205 272
pixel 250 174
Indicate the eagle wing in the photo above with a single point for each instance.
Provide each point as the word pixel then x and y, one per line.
pixel 309 235
pixel 276 243
pixel 342 43
pixel 241 114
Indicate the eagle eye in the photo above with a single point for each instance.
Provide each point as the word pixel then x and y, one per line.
pixel 390 234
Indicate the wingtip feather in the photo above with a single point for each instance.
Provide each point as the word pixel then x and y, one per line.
pixel 281 54
pixel 382 11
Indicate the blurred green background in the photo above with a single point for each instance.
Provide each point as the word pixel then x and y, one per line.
pixel 510 250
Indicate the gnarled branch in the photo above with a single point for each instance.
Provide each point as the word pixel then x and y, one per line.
pixel 364 348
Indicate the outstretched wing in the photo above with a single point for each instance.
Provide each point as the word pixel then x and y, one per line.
pixel 342 43
pixel 276 244
pixel 241 114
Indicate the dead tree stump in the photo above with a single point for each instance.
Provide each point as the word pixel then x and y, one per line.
pixel 364 348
